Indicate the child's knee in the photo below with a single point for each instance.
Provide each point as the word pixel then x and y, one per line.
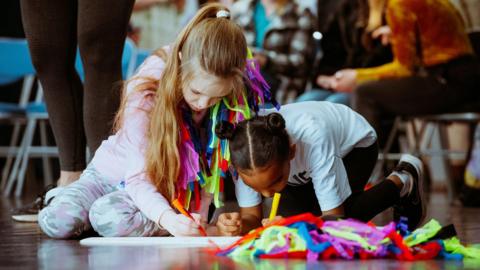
pixel 108 219
pixel 115 215
pixel 63 221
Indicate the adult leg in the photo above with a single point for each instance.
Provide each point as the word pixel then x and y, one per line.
pixel 102 28
pixel 67 214
pixel 406 96
pixel 115 215
pixel 50 28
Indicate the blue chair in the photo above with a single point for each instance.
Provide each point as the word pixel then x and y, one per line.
pixel 15 64
pixel 35 112
pixel 13 67
pixel 142 54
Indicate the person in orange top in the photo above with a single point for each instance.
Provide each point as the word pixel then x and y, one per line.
pixel 434 68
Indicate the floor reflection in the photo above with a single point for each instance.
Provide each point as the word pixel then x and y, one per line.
pixel 23 245
pixel 56 254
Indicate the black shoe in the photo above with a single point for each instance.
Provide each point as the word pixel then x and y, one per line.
pixel 412 206
pixel 29 212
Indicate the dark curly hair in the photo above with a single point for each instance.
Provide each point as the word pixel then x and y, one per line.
pixel 256 142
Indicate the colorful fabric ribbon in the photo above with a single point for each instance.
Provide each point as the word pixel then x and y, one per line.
pixel 206 166
pixel 309 237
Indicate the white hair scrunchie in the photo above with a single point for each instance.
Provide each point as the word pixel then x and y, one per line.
pixel 223 14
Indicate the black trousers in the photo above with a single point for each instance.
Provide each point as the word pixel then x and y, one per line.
pixel 79 114
pixel 444 88
pixel 362 205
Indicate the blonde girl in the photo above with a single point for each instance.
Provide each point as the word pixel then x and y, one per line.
pixel 164 147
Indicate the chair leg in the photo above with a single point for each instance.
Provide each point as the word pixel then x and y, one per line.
pixel 416 137
pixel 24 97
pixel 427 137
pixel 451 189
pixel 391 137
pixel 47 168
pixel 18 160
pixel 25 158
pixel 10 158
pixel 377 172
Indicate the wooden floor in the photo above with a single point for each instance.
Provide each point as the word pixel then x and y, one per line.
pixel 23 246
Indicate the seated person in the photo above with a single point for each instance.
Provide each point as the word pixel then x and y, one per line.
pixel 434 69
pixel 347 41
pixel 281 33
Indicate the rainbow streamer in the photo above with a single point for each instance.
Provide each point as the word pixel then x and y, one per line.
pixel 206 166
pixel 308 237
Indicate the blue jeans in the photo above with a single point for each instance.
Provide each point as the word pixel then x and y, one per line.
pixel 325 95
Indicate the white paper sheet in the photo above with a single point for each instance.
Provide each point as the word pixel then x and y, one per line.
pixel 185 242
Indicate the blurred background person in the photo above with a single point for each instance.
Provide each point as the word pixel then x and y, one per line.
pixel 280 33
pixel 434 68
pixel 434 71
pixel 345 42
pixel 158 22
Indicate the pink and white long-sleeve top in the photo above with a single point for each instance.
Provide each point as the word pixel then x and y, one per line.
pixel 122 156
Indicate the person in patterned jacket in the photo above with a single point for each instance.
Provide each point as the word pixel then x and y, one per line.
pixel 281 34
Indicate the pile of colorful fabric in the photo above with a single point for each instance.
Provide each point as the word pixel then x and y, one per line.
pixel 309 237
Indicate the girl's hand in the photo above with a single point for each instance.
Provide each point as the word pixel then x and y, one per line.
pixel 266 221
pixel 180 225
pixel 229 224
pixel 345 80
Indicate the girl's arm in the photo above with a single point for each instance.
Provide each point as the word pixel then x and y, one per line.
pixel 250 203
pixel 133 140
pixel 251 218
pixel 234 224
pixel 337 211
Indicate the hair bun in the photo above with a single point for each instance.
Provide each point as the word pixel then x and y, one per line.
pixel 225 130
pixel 275 122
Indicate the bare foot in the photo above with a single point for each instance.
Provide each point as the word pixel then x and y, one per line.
pixel 67 177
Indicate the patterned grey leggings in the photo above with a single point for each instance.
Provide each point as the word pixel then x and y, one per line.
pixel 93 202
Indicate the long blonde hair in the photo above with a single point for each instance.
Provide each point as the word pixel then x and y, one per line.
pixel 214 45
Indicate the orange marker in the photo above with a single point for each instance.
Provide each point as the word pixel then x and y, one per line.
pixel 184 212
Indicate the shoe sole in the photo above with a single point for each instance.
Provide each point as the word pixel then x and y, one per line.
pixel 418 165
pixel 26 218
